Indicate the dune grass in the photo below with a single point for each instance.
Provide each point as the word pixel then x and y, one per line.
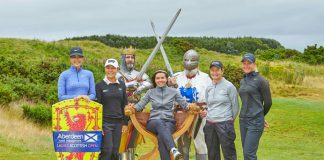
pixel 21 139
pixel 287 77
pixel 296 130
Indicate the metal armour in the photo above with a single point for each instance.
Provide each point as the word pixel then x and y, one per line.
pixel 190 60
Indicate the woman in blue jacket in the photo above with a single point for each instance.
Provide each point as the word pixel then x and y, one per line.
pixel 76 82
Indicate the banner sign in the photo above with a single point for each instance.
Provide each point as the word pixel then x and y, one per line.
pixel 77 141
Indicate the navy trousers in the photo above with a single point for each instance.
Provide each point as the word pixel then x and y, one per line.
pixel 164 130
pixel 251 132
pixel 110 140
pixel 220 134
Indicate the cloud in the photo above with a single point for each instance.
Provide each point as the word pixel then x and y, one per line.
pixel 294 23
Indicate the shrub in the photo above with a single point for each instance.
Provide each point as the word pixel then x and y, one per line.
pixel 295 77
pixel 233 74
pixel 51 96
pixel 38 114
pixel 47 72
pixel 313 55
pixel 10 66
pixel 22 87
pixel 290 74
pixel 264 69
pixel 7 95
pixel 278 53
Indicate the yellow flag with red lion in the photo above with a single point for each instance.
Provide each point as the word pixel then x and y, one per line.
pixel 77 129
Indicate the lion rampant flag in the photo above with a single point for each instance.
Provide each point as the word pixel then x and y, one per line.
pixel 77 129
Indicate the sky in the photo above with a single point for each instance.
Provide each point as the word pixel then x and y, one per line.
pixel 294 23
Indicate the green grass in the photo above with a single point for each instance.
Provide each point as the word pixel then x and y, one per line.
pixel 296 132
pixel 11 150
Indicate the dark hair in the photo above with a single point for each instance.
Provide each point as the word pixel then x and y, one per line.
pixel 154 75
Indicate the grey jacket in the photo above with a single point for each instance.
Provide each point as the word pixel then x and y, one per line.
pixel 255 95
pixel 162 100
pixel 222 101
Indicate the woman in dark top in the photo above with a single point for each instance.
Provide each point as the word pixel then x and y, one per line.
pixel 111 93
pixel 256 102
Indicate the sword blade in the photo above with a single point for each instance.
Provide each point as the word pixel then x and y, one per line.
pixel 165 57
pixel 157 46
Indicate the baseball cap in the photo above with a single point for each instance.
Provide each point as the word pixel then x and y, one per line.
pixel 249 57
pixel 76 51
pixel 217 64
pixel 112 62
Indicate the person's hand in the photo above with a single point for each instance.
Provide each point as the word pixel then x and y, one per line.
pixel 129 109
pixel 266 124
pixel 192 107
pixel 124 128
pixel 76 98
pixel 86 98
pixel 172 81
pixel 203 113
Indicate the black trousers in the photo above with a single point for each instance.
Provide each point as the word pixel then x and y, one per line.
pixel 220 134
pixel 110 140
pixel 251 132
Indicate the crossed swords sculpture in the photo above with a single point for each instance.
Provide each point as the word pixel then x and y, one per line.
pixel 165 57
pixel 157 47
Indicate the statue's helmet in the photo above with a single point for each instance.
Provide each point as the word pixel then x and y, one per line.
pixel 190 60
pixel 128 58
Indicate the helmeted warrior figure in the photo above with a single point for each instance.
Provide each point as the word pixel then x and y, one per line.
pixel 128 72
pixel 134 90
pixel 192 84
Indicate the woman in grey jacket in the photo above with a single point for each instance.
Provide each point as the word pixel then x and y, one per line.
pixel 161 120
pixel 222 109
